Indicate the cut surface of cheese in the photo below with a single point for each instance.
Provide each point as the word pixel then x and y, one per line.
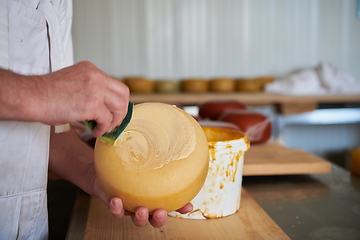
pixel 160 160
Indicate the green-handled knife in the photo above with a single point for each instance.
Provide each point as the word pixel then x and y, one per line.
pixel 112 136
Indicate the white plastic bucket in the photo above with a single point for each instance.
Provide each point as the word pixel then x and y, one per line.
pixel 221 193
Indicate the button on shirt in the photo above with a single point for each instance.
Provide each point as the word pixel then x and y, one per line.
pixel 35 39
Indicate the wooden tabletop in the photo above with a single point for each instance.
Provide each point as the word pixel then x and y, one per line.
pixel 92 220
pixel 250 222
pixel 272 158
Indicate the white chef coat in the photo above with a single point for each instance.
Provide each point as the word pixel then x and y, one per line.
pixel 35 38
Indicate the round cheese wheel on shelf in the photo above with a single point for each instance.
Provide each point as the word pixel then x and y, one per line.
pixel 167 86
pixel 213 109
pixel 256 125
pixel 194 85
pixel 222 85
pixel 248 85
pixel 139 85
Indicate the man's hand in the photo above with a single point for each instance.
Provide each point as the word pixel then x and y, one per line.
pixel 83 92
pixel 141 216
pixel 72 160
pixel 73 94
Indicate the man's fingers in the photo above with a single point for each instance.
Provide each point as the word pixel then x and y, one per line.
pixel 159 218
pixel 117 108
pixel 119 88
pixel 140 217
pixel 102 123
pixel 185 209
pixel 116 208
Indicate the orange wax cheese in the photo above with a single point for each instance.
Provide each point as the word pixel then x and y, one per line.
pixel 159 161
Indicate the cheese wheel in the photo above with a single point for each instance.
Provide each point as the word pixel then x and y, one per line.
pixel 222 85
pixel 167 86
pixel 257 126
pixel 214 108
pixel 139 85
pixel 159 161
pixel 194 85
pixel 248 85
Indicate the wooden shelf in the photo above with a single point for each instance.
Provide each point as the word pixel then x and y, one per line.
pixel 261 98
pixel 286 104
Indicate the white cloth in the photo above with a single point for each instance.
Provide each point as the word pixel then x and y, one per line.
pixel 323 80
pixel 35 38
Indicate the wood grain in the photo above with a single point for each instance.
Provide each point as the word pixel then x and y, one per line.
pixel 273 159
pixel 250 222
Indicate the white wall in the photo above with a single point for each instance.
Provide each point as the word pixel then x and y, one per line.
pixel 206 38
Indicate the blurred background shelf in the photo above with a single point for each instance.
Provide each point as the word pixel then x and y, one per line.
pixel 261 98
pixel 288 104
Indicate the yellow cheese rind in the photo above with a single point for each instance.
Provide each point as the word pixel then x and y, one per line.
pixel 170 183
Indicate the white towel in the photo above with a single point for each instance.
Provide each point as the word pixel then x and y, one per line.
pixel 323 80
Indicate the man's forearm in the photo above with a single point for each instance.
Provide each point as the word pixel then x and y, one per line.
pixel 72 159
pixel 19 97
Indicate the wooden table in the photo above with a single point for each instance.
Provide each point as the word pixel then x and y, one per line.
pixel 311 206
pixel 274 159
pixel 306 206
pixel 91 219
pixel 250 222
